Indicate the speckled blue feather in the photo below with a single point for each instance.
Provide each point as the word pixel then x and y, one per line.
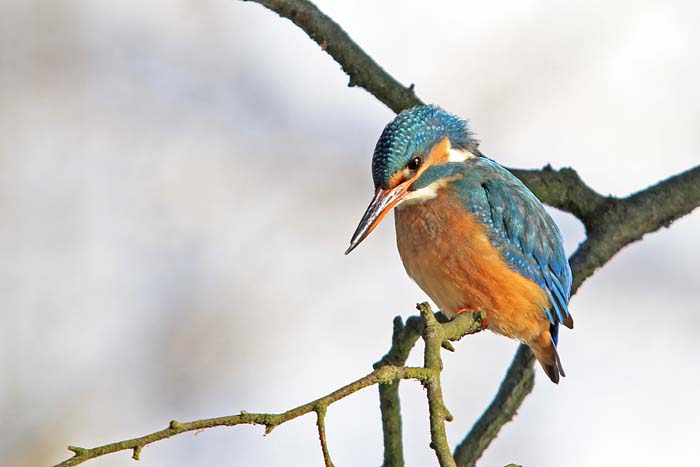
pixel 414 132
pixel 518 226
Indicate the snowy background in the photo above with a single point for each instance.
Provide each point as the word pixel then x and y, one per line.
pixel 179 180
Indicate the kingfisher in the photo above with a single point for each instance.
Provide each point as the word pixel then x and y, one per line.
pixel 470 233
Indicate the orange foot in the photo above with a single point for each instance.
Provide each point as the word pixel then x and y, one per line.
pixel 484 320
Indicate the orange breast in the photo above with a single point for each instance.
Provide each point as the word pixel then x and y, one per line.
pixel 446 251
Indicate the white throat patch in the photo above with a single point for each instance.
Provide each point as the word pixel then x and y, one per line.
pixel 427 192
pixel 422 195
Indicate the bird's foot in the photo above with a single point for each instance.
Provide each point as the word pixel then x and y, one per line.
pixel 464 309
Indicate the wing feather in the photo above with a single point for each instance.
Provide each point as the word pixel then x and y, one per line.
pixel 522 230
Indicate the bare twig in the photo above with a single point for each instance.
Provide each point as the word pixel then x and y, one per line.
pixel 360 67
pixel 321 425
pixel 269 421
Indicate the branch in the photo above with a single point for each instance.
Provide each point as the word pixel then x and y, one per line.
pixel 404 338
pixel 562 189
pixel 434 336
pixel 612 223
pixel 360 67
pixel 321 425
pixel 624 221
pixel 384 374
pixel 402 341
pixel 437 336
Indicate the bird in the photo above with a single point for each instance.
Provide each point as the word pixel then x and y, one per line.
pixel 470 233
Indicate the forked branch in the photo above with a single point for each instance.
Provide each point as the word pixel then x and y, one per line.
pixel 384 374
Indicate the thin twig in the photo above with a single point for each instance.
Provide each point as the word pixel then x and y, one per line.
pixel 269 421
pixel 321 425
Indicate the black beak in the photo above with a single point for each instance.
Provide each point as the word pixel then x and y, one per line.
pixel 381 204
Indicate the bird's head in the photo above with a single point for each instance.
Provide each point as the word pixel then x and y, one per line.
pixel 417 139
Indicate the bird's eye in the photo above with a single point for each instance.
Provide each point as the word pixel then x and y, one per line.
pixel 415 163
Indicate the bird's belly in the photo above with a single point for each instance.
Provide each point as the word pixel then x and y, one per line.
pixel 447 252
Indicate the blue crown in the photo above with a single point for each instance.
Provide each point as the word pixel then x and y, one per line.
pixel 416 131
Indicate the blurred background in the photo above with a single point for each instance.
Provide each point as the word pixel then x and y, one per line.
pixel 179 180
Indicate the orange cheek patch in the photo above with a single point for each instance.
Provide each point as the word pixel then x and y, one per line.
pixel 396 179
pixel 440 153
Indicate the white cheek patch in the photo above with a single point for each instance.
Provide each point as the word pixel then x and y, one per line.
pixel 459 155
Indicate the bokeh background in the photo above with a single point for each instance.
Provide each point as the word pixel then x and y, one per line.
pixel 179 180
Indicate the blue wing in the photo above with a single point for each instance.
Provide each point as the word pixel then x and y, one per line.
pixel 522 230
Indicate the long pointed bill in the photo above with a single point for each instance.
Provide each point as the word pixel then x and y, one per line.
pixel 381 204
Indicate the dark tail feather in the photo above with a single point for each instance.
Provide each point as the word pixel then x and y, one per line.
pixel 553 369
pixel 557 361
pixel 545 350
pixel 568 322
